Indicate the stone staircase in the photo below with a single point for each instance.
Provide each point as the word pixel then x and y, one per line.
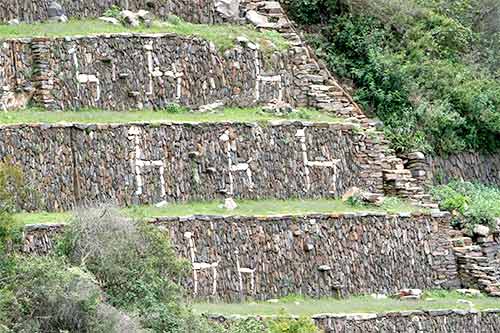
pixel 478 261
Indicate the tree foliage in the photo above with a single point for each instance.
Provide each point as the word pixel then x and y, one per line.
pixel 429 69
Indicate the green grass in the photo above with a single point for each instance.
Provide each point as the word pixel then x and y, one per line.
pixel 100 116
pixel 223 36
pixel 361 304
pixel 245 208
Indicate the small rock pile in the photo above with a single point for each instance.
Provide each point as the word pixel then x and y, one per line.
pixel 130 18
pixel 361 196
pixel 56 12
pixel 417 164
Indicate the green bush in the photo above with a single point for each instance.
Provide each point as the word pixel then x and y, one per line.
pixel 109 274
pixel 472 203
pixel 43 295
pixel 133 261
pixel 424 68
pixel 113 11
pixel 285 324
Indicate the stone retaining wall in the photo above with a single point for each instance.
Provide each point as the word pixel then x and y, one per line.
pixel 68 165
pixel 456 321
pixel 315 255
pixel 126 71
pixel 196 11
pixel 466 166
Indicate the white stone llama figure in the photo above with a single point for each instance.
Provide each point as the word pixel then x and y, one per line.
pixel 236 167
pixel 199 266
pixel 139 164
pixel 301 134
pixel 244 270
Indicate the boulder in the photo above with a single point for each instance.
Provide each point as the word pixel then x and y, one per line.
pixel 416 156
pixel 278 108
pixel 134 19
pixel 230 204
pixel 481 230
pixel 469 292
pixel 228 9
pixel 130 18
pixel 110 20
pixel 256 19
pixel 409 294
pixel 56 12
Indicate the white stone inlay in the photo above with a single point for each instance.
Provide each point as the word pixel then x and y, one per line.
pixel 244 270
pixel 139 163
pixel 301 134
pixel 261 78
pixel 236 167
pixel 198 266
pixel 85 78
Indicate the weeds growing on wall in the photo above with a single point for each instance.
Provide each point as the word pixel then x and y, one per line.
pixel 470 203
pixel 429 69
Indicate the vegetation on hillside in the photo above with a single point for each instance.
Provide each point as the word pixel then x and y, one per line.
pixel 470 203
pixel 430 69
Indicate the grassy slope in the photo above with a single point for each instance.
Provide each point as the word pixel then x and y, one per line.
pixel 245 208
pixel 98 116
pixel 359 304
pixel 222 36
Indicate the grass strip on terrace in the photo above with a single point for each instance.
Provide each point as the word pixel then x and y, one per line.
pixel 245 208
pixel 30 116
pixel 223 36
pixel 300 306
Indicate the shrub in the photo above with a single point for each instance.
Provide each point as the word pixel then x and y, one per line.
pixel 42 294
pixel 423 68
pixel 285 324
pixel 113 11
pixel 471 202
pixel 133 262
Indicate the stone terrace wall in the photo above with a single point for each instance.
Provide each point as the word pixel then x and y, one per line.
pixel 67 165
pixel 466 166
pixel 196 11
pixel 315 255
pixel 126 71
pixel 456 321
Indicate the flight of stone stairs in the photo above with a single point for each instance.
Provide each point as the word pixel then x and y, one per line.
pixel 478 261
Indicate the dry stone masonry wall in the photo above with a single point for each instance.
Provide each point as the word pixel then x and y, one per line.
pixel 68 165
pixel 196 11
pixel 125 71
pixel 315 255
pixel 482 168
